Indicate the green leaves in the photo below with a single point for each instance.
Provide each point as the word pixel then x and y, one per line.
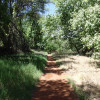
pixel 19 21
pixel 52 33
pixel 86 22
pixel 80 20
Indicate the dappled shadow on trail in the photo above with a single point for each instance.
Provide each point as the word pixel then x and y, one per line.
pixel 53 70
pixel 50 58
pixel 88 91
pixel 53 84
pixel 83 73
pixel 54 90
pixel 95 63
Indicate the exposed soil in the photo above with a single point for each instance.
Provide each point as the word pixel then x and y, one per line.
pixel 53 84
pixel 84 71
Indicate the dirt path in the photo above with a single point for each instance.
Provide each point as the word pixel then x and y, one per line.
pixel 53 84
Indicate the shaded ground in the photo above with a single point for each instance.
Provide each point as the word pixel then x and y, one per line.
pixel 84 71
pixel 53 84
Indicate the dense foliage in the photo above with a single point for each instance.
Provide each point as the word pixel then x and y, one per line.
pixel 19 24
pixel 75 27
pixel 53 34
pixel 81 20
pixel 19 76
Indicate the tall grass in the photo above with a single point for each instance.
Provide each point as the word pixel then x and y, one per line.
pixel 19 75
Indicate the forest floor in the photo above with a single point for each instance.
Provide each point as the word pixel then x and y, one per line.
pixel 53 84
pixel 83 73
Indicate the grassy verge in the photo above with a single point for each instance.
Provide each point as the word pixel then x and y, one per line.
pixel 19 75
pixel 78 90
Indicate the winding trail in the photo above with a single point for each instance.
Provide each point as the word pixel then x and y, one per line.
pixel 53 84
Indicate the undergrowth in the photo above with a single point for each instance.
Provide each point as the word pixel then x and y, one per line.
pixel 19 75
pixel 79 92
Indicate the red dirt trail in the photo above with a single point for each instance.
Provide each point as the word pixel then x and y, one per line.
pixel 53 84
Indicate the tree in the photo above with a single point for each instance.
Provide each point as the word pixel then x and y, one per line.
pixel 13 13
pixel 52 34
pixel 80 22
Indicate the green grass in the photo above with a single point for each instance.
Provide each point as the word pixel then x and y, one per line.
pixel 19 75
pixel 78 90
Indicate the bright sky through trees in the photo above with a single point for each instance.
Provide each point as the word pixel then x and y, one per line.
pixel 50 7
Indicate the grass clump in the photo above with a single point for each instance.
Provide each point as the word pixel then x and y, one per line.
pixel 19 75
pixel 79 92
